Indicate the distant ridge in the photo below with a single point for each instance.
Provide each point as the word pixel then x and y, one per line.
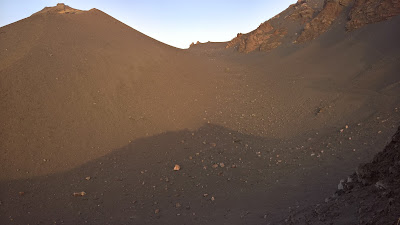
pixel 308 19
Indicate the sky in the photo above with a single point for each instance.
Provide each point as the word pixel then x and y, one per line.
pixel 174 22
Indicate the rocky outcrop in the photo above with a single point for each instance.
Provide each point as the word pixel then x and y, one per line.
pixel 372 11
pixel 264 38
pixel 371 195
pixel 321 23
pixel 274 40
pixel 235 42
pixel 255 38
pixel 270 34
pixel 313 18
pixel 193 44
pixel 302 12
pixel 60 8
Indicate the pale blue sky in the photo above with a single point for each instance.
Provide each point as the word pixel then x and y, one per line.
pixel 174 22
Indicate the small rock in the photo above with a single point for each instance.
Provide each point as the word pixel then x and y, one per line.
pixel 156 211
pixel 340 186
pixel 233 166
pixel 215 166
pixel 205 195
pixel 21 193
pixel 380 185
pixel 212 198
pixel 88 178
pixel 177 167
pixel 79 194
pixel 222 165
pixel 178 205
pixel 393 170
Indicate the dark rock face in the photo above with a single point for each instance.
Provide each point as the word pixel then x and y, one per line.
pixel 372 11
pixel 321 23
pixel 251 41
pixel 315 17
pixel 369 196
pixel 268 36
pixel 303 12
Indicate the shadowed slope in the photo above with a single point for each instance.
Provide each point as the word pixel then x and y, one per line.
pixel 371 195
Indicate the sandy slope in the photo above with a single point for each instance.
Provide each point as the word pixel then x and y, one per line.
pixel 83 95
pixel 80 85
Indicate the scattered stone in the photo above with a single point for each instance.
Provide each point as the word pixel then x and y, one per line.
pixel 21 193
pixel 79 194
pixel 233 166
pixel 205 195
pixel 215 166
pixel 222 165
pixel 156 211
pixel 212 198
pixel 177 167
pixel 88 178
pixel 380 185
pixel 178 205
pixel 340 185
pixel 349 180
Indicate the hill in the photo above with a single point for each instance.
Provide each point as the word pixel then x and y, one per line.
pixel 74 86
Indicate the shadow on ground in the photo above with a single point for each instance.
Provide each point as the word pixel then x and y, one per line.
pixel 226 177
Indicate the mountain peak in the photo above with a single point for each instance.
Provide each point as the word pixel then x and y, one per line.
pixel 60 8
